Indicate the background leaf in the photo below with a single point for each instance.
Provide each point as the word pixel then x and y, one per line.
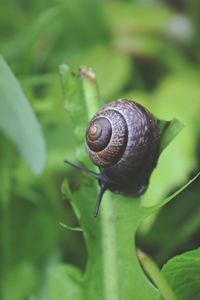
pixel 168 131
pixel 22 288
pixel 64 283
pixel 18 121
pixel 183 273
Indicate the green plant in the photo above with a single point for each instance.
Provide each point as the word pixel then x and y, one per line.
pixel 113 270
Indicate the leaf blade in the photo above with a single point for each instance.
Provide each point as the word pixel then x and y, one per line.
pixel 19 122
pixel 168 131
pixel 182 273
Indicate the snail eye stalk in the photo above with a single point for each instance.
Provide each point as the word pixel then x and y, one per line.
pixel 98 176
pixel 103 188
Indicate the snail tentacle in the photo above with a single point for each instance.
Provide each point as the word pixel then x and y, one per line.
pixel 103 188
pixel 98 176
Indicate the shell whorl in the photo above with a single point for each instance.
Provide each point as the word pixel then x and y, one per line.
pixel 106 137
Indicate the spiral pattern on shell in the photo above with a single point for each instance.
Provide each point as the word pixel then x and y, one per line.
pixel 106 150
pixel 122 139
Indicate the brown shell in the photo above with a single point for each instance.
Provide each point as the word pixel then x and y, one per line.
pixel 131 146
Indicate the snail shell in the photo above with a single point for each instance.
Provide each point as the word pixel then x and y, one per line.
pixel 123 140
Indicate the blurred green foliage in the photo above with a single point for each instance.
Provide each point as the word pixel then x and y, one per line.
pixel 147 51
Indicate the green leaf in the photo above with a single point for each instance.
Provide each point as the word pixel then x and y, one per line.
pixel 182 273
pixel 20 282
pixel 18 121
pixel 75 87
pixel 168 131
pixel 155 275
pixel 71 85
pixel 184 213
pixel 172 196
pixel 110 244
pixel 64 283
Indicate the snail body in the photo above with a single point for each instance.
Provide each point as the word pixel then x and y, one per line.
pixel 122 139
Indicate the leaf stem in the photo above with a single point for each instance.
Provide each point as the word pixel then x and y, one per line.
pixel 111 280
pixel 90 90
pixel 92 101
pixel 156 276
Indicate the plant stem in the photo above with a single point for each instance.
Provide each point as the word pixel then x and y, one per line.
pixel 117 262
pixel 111 280
pixel 156 276
pixel 91 94
pixel 90 90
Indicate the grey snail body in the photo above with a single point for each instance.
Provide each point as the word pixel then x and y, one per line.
pixel 123 140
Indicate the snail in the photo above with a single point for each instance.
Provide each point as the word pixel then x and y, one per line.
pixel 123 140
